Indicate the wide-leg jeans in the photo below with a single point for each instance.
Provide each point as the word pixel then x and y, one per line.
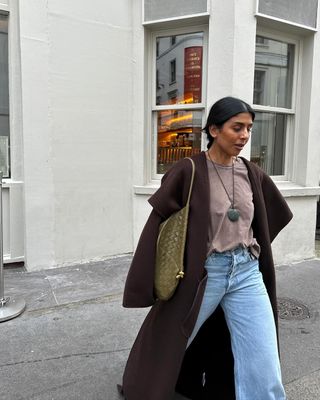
pixel 235 282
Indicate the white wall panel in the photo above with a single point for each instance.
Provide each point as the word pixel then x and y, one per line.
pixel 296 241
pixel 77 96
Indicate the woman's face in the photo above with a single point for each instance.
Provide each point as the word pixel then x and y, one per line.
pixel 231 138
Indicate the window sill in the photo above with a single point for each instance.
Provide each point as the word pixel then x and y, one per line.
pixel 9 182
pixel 146 190
pixel 287 189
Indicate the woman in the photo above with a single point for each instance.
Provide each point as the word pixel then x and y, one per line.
pixel 216 337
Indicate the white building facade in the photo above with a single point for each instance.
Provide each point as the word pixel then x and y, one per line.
pixel 97 101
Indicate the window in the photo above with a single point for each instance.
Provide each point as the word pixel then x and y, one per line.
pixel 259 78
pixel 178 99
pixel 4 98
pixel 172 71
pixel 273 102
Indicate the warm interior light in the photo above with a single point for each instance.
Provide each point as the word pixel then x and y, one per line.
pixel 188 98
pixel 182 118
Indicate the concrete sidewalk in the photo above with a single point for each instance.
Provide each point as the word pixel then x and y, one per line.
pixel 73 340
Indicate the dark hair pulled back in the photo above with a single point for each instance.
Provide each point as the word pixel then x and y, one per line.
pixel 224 109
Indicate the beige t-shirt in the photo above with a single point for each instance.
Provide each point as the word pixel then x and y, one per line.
pixel 225 234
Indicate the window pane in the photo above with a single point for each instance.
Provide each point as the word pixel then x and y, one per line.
pixel 179 66
pixel 4 97
pixel 273 78
pixel 178 136
pixel 268 142
pixel 173 74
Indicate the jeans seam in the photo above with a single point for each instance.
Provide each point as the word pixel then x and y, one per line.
pixel 243 267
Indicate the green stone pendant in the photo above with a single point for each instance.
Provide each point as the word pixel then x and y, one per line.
pixel 233 214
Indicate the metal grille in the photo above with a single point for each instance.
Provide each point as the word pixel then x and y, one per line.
pixel 291 309
pixel 301 12
pixel 155 9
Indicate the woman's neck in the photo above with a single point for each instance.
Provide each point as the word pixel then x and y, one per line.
pixel 218 157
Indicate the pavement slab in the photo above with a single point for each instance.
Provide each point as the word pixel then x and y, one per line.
pixel 72 352
pixel 305 388
pixel 300 339
pixel 74 338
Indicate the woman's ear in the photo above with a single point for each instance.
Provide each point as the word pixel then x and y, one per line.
pixel 213 130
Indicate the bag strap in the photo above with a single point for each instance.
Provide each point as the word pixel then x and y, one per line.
pixel 192 178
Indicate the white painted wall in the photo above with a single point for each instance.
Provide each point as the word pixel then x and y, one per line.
pixel 4 5
pixel 296 241
pixel 76 61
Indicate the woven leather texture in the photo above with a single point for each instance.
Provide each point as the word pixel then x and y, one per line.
pixel 169 269
pixel 170 253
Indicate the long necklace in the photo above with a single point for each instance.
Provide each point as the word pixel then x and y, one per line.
pixel 233 213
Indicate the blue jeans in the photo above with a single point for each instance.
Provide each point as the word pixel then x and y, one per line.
pixel 235 282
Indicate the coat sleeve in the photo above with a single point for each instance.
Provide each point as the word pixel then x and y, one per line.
pixel 169 198
pixel 278 211
pixel 138 291
pixel 173 192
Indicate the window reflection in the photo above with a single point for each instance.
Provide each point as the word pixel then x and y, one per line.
pixel 273 73
pixel 179 136
pixel 173 71
pixel 268 142
pixel 179 66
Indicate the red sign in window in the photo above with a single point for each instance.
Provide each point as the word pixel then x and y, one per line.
pixel 192 74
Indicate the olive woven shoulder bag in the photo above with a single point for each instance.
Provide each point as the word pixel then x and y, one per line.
pixel 169 268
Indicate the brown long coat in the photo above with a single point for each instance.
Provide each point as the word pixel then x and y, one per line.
pixel 158 363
